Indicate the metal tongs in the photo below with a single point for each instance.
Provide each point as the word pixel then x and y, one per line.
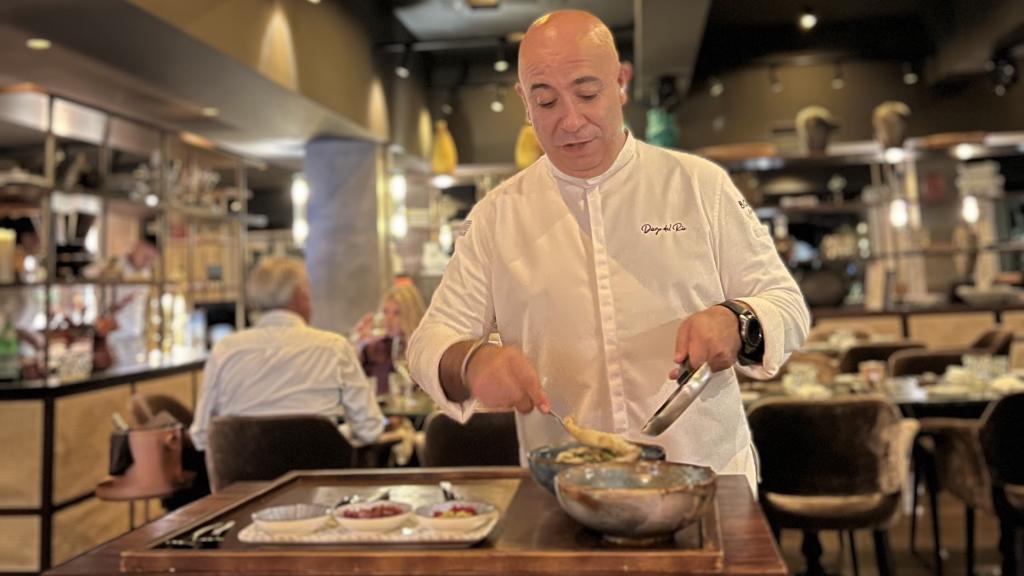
pixel 691 383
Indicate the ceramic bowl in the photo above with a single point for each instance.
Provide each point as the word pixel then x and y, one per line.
pixel 544 465
pixel 636 502
pixel 381 524
pixel 482 514
pixel 292 518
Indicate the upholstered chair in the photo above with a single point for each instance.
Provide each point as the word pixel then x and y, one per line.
pixel 995 342
pixel 487 439
pixel 836 464
pixel 243 448
pixel 854 355
pixel 1002 443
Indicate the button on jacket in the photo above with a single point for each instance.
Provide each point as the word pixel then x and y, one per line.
pixel 591 278
pixel 283 366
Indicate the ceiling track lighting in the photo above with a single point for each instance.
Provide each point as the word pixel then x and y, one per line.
pixel 773 80
pixel 715 87
pixel 838 80
pixel 498 104
pixel 501 60
pixel 402 69
pixel 807 20
pixel 1003 71
pixel 910 75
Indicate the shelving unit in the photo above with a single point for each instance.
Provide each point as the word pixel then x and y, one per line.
pixel 93 184
pixel 923 251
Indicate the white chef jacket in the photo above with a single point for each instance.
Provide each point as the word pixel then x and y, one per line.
pixel 283 366
pixel 591 278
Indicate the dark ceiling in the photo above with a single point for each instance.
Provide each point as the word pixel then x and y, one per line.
pixel 737 32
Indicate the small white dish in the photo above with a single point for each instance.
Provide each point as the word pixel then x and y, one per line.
pixel 438 516
pixel 292 519
pixel 344 516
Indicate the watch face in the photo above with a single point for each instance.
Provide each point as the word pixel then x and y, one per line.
pixel 753 335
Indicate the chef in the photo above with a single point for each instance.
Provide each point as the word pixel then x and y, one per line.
pixel 601 267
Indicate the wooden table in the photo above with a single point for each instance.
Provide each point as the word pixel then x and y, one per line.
pixel 515 548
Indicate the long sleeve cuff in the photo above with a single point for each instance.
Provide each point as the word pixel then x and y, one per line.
pixel 427 347
pixel 780 340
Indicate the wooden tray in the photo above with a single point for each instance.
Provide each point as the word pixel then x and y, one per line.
pixel 533 536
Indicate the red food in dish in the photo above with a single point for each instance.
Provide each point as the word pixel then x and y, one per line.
pixel 382 511
pixel 456 511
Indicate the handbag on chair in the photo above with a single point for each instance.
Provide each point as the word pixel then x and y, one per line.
pixel 153 464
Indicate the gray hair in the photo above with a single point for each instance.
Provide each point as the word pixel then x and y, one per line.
pixel 273 281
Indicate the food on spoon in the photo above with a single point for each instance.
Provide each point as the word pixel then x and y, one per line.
pixel 597 446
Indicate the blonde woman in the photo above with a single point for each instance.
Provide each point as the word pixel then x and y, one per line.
pixel 381 336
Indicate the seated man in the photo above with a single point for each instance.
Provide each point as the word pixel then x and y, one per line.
pixel 283 366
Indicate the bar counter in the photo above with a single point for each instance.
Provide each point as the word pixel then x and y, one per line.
pixel 57 438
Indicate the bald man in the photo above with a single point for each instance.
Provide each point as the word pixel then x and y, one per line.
pixel 603 266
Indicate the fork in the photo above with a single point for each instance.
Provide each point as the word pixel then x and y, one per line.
pixel 552 412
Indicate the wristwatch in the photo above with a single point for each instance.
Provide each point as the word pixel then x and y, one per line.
pixel 751 336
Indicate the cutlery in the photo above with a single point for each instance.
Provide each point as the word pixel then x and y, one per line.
pixel 197 536
pixel 552 412
pixel 447 490
pixel 384 494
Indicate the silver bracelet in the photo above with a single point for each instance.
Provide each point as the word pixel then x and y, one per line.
pixel 469 355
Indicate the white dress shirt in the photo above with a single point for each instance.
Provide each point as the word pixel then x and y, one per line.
pixel 283 366
pixel 591 278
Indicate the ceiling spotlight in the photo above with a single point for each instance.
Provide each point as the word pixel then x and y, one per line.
pixel 838 81
pixel 894 155
pixel 501 62
pixel 210 112
pixel 773 80
pixel 442 181
pixel 38 44
pixel 807 20
pixel 899 214
pixel 314 1
pixel 715 87
pixel 970 210
pixel 1003 72
pixel 910 76
pixel 498 104
pixel 963 152
pixel 402 69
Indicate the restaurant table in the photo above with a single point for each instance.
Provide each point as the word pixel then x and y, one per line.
pixel 968 406
pixel 416 407
pixel 533 538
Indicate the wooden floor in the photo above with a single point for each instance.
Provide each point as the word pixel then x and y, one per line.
pixel 837 560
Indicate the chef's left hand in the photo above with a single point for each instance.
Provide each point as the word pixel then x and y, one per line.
pixel 711 336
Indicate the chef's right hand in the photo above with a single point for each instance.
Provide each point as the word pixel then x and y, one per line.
pixel 502 377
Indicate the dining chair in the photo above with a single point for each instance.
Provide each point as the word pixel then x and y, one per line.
pixel 1002 443
pixel 917 361
pixel 996 342
pixel 854 355
pixel 487 439
pixel 835 464
pixel 241 448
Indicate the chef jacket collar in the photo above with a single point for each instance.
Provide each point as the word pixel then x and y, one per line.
pixel 625 156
